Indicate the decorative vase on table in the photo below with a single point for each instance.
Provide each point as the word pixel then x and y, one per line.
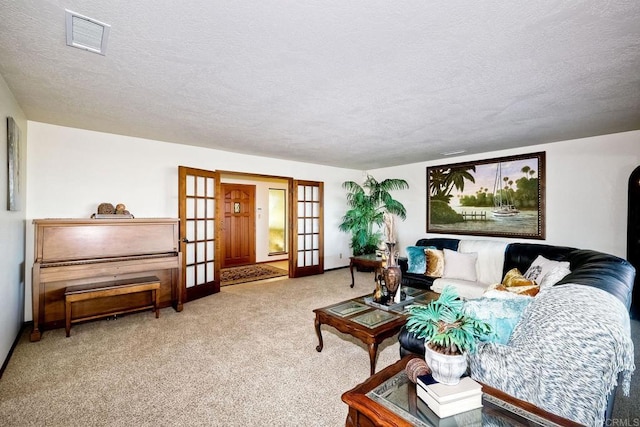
pixel 392 273
pixel 446 369
pixel 378 294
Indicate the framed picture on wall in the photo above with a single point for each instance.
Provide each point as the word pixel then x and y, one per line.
pixel 502 197
pixel 13 161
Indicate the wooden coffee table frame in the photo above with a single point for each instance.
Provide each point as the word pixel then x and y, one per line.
pixel 372 337
pixel 364 411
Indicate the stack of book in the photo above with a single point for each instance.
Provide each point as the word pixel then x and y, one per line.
pixel 447 400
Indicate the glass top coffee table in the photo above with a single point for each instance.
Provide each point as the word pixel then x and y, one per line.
pixel 363 321
pixel 389 399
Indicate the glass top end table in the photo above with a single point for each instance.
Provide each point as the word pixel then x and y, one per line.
pixel 389 398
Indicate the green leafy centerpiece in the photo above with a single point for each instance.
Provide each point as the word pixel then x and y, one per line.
pixel 449 334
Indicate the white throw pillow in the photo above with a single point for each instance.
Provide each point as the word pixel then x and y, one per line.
pixel 458 265
pixel 554 276
pixel 541 267
pixel 490 258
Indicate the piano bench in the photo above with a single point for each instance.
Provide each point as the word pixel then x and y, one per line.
pixel 107 289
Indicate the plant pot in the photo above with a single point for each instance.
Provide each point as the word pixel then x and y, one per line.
pixel 445 369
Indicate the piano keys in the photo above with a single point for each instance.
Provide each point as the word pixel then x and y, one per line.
pixel 82 251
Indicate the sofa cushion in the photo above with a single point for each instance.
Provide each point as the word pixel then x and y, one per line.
pixel 458 265
pixel 502 314
pixel 603 271
pixel 416 259
pixel 490 266
pixel 522 255
pixel 435 262
pixel 542 266
pixel 465 288
pixel 499 288
pixel 440 243
pixel 515 278
pixel 554 276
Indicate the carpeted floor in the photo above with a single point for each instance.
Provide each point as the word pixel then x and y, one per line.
pixel 249 273
pixel 243 357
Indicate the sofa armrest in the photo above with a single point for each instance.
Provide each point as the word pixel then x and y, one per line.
pixel 403 262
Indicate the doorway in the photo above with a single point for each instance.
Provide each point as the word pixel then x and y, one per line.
pixel 239 238
pixel 202 231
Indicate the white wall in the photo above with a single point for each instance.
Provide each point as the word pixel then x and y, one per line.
pixel 586 191
pixel 12 229
pixel 72 171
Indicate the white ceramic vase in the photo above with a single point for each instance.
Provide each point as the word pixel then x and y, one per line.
pixel 444 368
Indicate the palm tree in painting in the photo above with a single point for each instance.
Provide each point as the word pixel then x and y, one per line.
pixel 444 180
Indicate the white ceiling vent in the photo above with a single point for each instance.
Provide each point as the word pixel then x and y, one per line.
pixel 86 33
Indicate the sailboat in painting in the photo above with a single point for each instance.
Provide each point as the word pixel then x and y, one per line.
pixel 503 206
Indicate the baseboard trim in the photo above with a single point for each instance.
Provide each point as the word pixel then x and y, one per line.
pixel 15 343
pixel 337 268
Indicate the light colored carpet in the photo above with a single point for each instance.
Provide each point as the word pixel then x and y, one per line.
pixel 243 357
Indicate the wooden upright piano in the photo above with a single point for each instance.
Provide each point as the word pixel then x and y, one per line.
pixel 82 251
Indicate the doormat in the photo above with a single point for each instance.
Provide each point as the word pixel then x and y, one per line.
pixel 249 273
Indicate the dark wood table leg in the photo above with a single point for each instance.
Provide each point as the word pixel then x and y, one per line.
pixel 319 334
pixel 373 352
pixel 351 269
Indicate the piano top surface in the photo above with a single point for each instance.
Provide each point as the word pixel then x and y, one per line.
pixel 59 240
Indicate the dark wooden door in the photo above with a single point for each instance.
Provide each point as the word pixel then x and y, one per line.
pixel 239 237
pixel 307 228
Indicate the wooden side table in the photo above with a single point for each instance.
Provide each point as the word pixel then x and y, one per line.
pixel 369 260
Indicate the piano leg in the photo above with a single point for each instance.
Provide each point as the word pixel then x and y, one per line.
pixel 36 296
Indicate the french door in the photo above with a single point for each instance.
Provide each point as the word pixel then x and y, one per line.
pixel 307 228
pixel 201 211
pixel 198 210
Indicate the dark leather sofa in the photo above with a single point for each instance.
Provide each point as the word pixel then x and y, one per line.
pixel 589 268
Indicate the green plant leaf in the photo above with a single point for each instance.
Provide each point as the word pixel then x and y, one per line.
pixel 443 323
pixel 367 204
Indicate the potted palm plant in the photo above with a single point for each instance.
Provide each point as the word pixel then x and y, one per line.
pixel 449 334
pixel 367 205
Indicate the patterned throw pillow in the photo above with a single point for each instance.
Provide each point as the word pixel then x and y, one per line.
pixel 416 259
pixel 515 278
pixel 554 276
pixel 502 314
pixel 541 267
pixel 435 262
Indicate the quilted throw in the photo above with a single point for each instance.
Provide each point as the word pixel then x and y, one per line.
pixel 564 355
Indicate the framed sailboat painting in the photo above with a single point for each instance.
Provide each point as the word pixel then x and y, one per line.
pixel 502 197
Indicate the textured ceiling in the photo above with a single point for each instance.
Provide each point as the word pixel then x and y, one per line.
pixel 359 84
